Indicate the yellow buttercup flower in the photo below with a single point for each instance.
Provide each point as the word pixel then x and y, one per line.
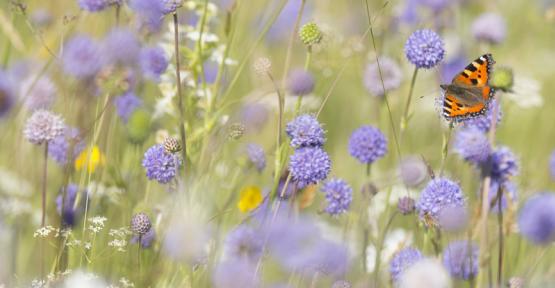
pixel 250 198
pixel 90 159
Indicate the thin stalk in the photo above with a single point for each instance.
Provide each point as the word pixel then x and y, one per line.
pixel 403 124
pixel 118 12
pixel 277 163
pixel 308 58
pixel 379 250
pixel 179 93
pixel 501 240
pixel 445 149
pixel 44 175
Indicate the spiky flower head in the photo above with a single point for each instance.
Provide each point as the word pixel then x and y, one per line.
pixel 256 156
pixel 140 224
pixel 310 34
pixel 160 165
pixel 82 57
pixel 305 130
pixel 121 46
pixel 171 145
pixel 367 144
pixel 170 6
pixel 93 5
pixel 309 165
pixel 437 195
pixel 472 145
pixel 424 48
pixel 262 66
pixel 536 220
pixel 126 104
pixel 43 126
pixel 502 78
pixel 300 82
pixel 405 205
pixel 402 260
pixel 460 258
pixel 339 196
pixel 504 164
pixel 153 62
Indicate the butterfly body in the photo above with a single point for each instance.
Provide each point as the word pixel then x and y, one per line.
pixel 469 94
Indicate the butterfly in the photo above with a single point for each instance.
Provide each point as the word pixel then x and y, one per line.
pixel 469 93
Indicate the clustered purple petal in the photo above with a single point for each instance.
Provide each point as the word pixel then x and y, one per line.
pixel 150 12
pixel 483 122
pixel 460 258
pixel 305 131
pixel 504 164
pixel 126 104
pixel 244 242
pixel 257 156
pixel 160 165
pixel 489 27
pixel 438 194
pixel 413 171
pixel 309 165
pixel 43 126
pixel 424 48
pixel 121 46
pixel 536 220
pixel 472 145
pixel 367 144
pixel 453 218
pixel 235 273
pixel 146 240
pixel 339 196
pixel 154 62
pixel 82 57
pixel 300 82
pixel 70 211
pixel 391 75
pixel 402 260
pixel 93 5
pixel 59 147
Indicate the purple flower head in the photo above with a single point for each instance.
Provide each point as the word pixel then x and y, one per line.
pixel 256 156
pixel 437 5
pixel 452 67
pixel 391 75
pixel 300 82
pixel 43 126
pixel 327 258
pixel 146 240
pixel 235 273
pixel 150 12
pixel 160 165
pixel 305 131
pixel 309 165
pixel 413 171
pixel 286 20
pixel 93 5
pixel 504 164
pixel 552 165
pixel 154 62
pixel 405 205
pixel 82 57
pixel 126 104
pixel 402 260
pixel 38 93
pixel 472 145
pixel 460 258
pixel 254 116
pixel 509 191
pixel 7 95
pixel 453 218
pixel 367 144
pixel 244 242
pixel 121 46
pixel 339 196
pixel 59 147
pixel 483 122
pixel 536 220
pixel 439 194
pixel 70 211
pixel 490 28
pixel 424 48
pixel 170 6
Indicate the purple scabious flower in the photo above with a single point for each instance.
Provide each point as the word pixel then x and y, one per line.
pixel 256 156
pixel 339 196
pixel 70 211
pixel 300 82
pixel 154 62
pixel 305 131
pixel 453 218
pixel 367 144
pixel 472 145
pixel 402 260
pixel 327 258
pixel 93 5
pixel 413 171
pixel 7 95
pixel 391 75
pixel 235 273
pixel 509 190
pixel 552 165
pixel 59 147
pixel 309 165
pixel 244 242
pixel 460 258
pixel 150 12
pixel 126 104
pixel 43 126
pixel 536 220
pixel 483 122
pixel 146 240
pixel 437 195
pixel 490 28
pixel 160 165
pixel 82 57
pixel 170 6
pixel 504 164
pixel 452 67
pixel 424 48
pixel 38 94
pixel 121 46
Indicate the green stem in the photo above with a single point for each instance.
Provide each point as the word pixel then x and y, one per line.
pixel 501 239
pixel 445 149
pixel 179 93
pixel 403 124
pixel 379 250
pixel 308 58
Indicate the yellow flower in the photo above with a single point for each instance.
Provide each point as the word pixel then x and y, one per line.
pixel 90 159
pixel 250 198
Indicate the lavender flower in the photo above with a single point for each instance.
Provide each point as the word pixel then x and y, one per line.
pixel 140 224
pixel 536 220
pixel 424 48
pixel 327 258
pixel 256 156
pixel 59 147
pixel 170 6
pixel 472 145
pixel 146 239
pixel 121 46
pixel 244 242
pixel 7 95
pixel 309 165
pixel 126 104
pixel 305 131
pixel 70 211
pixel 150 12
pixel 460 258
pixel 509 190
pixel 452 218
pixel 339 196
pixel 452 67
pixel 154 62
pixel 38 94
pixel 405 205
pixel 552 165
pixel 439 194
pixel 235 273
pixel 490 28
pixel 43 126
pixel 82 57
pixel 93 5
pixel 284 23
pixel 483 122
pixel 504 164
pixel 402 260
pixel 367 144
pixel 391 75
pixel 412 171
pixel 300 82
pixel 159 165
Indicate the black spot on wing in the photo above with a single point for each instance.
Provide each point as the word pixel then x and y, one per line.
pixel 474 81
pixel 479 61
pixel 471 67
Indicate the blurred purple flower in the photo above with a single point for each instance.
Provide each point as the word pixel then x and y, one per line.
pixel 121 46
pixel 283 26
pixel 300 82
pixel 405 205
pixel 437 5
pixel 93 5
pixel 254 116
pixel 210 71
pixel 439 194
pixel 391 75
pixel 367 144
pixel 504 164
pixel 257 156
pixel 309 165
pixel 489 27
pixel 70 211
pixel 7 95
pixel 235 273
pixel 483 122
pixel 126 104
pixel 424 48
pixel 413 171
pixel 150 12
pixel 146 240
pixel 38 93
pixel 460 258
pixel 339 196
pixel 82 57
pixel 244 242
pixel 472 145
pixel 154 62
pixel 453 218
pixel 59 147
pixel 552 165
pixel 327 258
pixel 305 131
pixel 452 67
pixel 43 126
pixel 536 220
pixel 402 260
pixel 159 165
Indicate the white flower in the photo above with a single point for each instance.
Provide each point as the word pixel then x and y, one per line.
pixel 119 244
pixel 426 273
pixel 38 283
pixel 526 92
pixel 125 283
pixel 393 242
pixel 44 231
pixel 97 223
pixel 81 279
